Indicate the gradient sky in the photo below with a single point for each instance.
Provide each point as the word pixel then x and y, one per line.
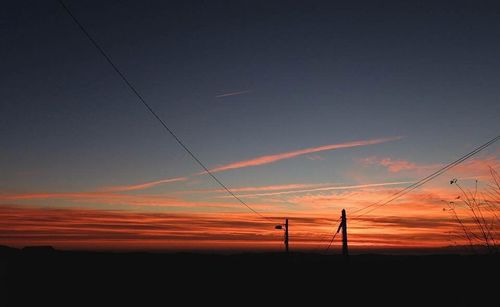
pixel 300 107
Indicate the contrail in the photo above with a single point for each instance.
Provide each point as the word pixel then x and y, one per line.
pixel 345 187
pixel 233 94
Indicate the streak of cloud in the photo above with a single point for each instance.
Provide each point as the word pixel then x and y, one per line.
pixel 142 186
pixel 262 160
pixel 279 187
pixel 345 187
pixel 233 94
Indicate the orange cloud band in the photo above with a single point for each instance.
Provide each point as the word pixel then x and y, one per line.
pixel 126 230
pixel 127 200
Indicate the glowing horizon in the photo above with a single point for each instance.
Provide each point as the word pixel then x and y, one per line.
pixel 415 221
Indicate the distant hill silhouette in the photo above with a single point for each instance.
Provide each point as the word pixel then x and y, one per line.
pixel 7 249
pixel 39 249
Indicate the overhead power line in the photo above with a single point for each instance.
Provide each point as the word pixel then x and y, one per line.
pixel 333 238
pixel 423 181
pixel 148 107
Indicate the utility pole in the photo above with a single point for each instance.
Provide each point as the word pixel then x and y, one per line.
pixel 345 251
pixel 286 232
pixel 286 235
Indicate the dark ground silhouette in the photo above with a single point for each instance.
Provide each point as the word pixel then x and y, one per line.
pixel 47 276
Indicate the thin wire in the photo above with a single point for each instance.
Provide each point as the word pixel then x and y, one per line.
pixel 425 180
pixel 440 171
pixel 331 241
pixel 134 90
pixel 436 174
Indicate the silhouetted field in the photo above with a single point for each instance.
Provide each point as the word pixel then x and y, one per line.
pixel 46 276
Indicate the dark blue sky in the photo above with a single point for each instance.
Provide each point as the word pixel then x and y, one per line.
pixel 316 72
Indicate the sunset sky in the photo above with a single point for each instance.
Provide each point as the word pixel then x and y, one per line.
pixel 301 108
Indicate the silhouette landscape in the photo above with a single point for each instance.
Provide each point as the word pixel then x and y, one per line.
pixel 249 152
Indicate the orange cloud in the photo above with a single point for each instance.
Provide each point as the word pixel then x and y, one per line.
pixel 395 166
pixel 478 166
pixel 142 186
pixel 292 154
pixel 362 197
pixel 398 165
